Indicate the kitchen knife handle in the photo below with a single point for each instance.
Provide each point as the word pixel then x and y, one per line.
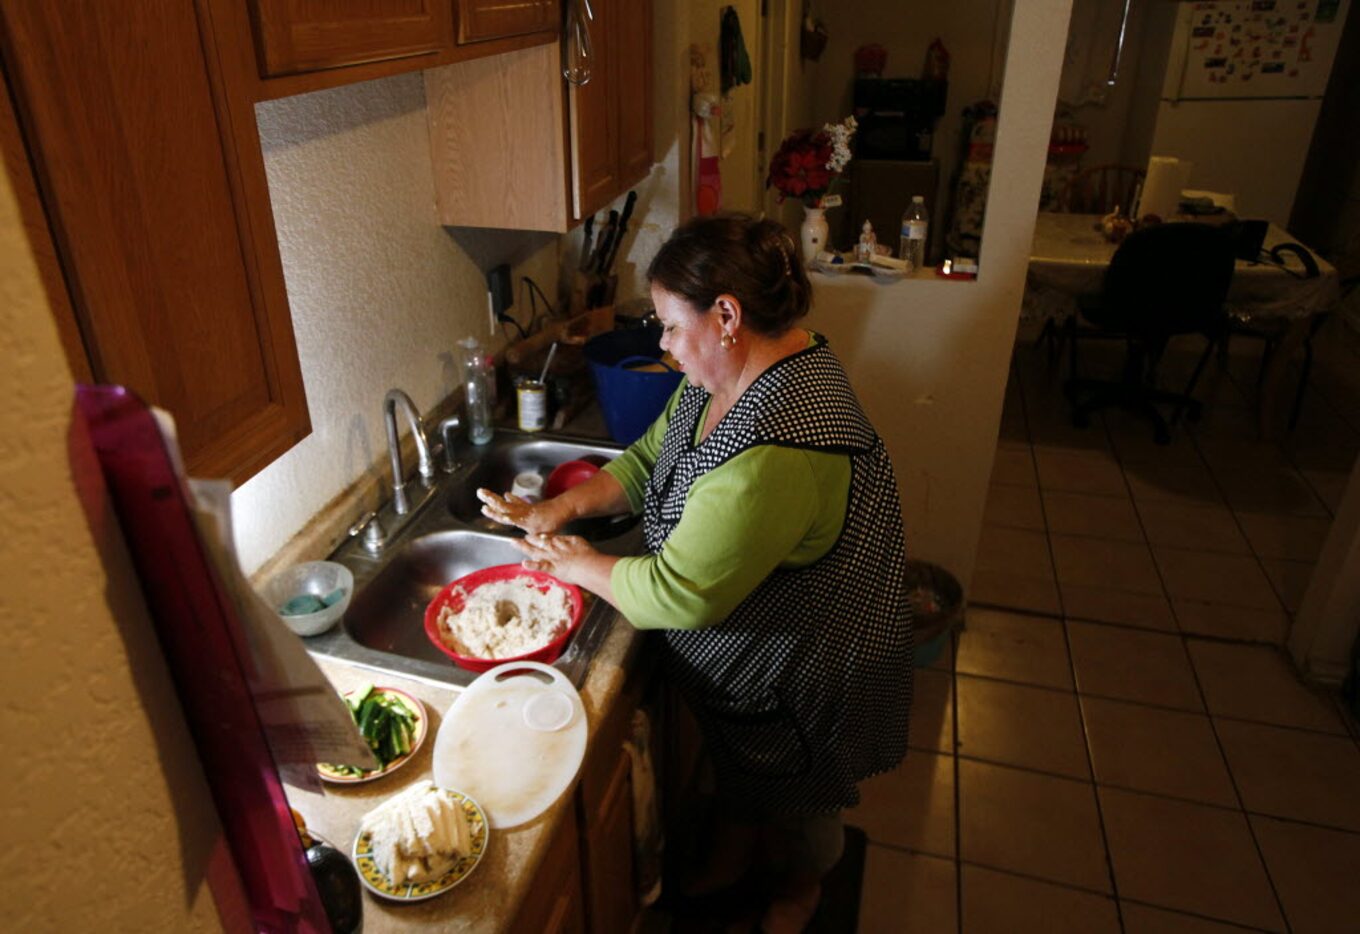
pixel 606 240
pixel 584 264
pixel 619 232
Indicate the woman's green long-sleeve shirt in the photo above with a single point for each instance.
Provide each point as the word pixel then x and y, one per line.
pixel 768 507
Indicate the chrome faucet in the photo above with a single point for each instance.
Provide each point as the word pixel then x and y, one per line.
pixel 401 503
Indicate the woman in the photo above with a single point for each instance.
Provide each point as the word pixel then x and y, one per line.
pixel 775 552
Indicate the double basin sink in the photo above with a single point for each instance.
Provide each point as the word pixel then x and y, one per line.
pixel 442 538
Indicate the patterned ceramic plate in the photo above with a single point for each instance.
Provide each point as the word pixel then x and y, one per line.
pixel 377 883
pixel 330 773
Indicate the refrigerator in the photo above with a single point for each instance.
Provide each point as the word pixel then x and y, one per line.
pixel 1241 84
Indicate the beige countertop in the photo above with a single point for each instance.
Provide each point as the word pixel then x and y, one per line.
pixel 490 897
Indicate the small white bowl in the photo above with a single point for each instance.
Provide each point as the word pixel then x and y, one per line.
pixel 318 578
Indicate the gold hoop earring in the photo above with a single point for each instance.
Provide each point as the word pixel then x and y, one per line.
pixel 727 341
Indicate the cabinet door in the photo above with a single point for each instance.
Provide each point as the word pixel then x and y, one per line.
pixel 511 170
pixel 611 899
pixel 594 119
pixel 479 20
pixel 554 902
pixel 632 50
pixel 141 188
pixel 295 36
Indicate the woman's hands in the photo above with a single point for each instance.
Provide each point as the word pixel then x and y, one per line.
pixel 547 516
pixel 566 557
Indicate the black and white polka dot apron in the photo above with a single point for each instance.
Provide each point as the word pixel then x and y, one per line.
pixel 804 689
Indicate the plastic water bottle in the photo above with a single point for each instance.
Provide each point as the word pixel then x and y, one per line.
pixel 914 224
pixel 476 391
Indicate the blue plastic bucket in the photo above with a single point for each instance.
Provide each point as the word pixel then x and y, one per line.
pixel 630 399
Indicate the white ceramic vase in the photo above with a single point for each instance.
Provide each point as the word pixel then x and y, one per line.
pixel 813 231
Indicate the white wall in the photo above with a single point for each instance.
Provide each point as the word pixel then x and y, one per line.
pixel 1253 148
pixel 929 358
pixel 1324 632
pixel 379 291
pixel 108 822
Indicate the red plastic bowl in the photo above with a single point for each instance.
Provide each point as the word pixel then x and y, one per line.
pixel 567 475
pixel 452 595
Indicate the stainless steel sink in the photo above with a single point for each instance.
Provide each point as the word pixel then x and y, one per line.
pixel 498 467
pixel 446 538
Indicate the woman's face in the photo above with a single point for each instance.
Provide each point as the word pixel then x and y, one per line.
pixel 693 338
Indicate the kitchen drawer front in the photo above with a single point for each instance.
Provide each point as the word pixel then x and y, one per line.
pixel 299 36
pixel 480 20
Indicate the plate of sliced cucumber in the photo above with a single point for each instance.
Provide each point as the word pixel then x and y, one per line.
pixel 392 722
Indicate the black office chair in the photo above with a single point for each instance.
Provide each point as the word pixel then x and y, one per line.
pixel 1164 280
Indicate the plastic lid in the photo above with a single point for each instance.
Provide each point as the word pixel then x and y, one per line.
pixel 527 484
pixel 918 199
pixel 548 712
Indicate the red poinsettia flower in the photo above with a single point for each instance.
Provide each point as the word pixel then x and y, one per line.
pixel 799 168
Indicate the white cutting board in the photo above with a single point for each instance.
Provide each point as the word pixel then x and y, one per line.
pixel 487 748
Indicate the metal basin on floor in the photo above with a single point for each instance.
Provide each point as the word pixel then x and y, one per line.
pixel 446 538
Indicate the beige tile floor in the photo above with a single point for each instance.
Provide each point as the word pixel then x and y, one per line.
pixel 1117 741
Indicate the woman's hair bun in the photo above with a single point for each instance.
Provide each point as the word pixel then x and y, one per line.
pixel 754 260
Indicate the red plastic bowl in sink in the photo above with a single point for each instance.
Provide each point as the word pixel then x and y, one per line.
pixel 453 594
pixel 567 475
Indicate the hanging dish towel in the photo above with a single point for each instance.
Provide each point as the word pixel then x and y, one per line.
pixel 736 62
pixel 707 173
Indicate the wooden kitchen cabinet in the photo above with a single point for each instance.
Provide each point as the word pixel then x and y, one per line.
pixel 480 20
pixel 611 115
pixel 593 119
pixel 544 154
pixel 607 851
pixel 554 904
pixel 633 49
pixel 296 36
pixel 144 175
pixel 604 801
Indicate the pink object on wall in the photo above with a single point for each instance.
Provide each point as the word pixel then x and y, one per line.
pixel 707 172
pixel 203 642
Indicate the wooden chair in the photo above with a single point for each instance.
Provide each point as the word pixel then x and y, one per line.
pixel 1101 188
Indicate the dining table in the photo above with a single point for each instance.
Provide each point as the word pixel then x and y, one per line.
pixel 1069 255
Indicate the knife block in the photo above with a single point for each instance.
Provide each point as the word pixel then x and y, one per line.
pixel 589 292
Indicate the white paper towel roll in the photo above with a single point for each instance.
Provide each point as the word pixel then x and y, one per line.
pixel 1166 176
